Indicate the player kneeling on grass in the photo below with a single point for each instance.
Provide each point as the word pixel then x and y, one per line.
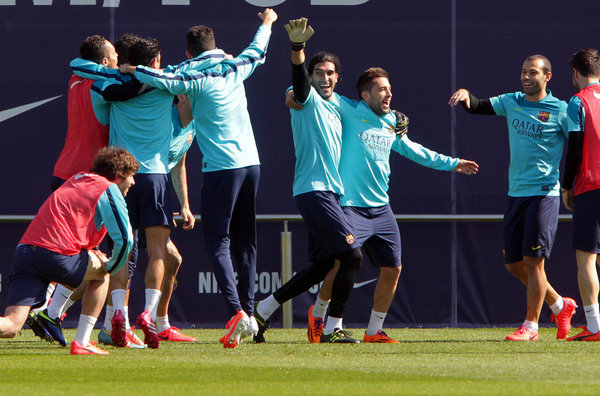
pixel 60 241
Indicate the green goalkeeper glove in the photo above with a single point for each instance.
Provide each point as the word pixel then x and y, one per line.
pixel 299 33
pixel 401 123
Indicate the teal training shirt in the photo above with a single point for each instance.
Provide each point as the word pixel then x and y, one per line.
pixel 223 129
pixel 181 140
pixel 366 145
pixel 143 126
pixel 317 132
pixel 536 135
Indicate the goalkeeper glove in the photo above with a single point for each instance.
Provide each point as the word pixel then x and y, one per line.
pixel 299 33
pixel 401 123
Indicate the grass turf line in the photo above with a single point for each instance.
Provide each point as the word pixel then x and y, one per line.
pixel 427 362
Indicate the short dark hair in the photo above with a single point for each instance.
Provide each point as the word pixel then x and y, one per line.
pixel 143 51
pixel 114 163
pixel 323 56
pixel 199 39
pixel 92 48
pixel 547 67
pixel 365 80
pixel 586 62
pixel 122 46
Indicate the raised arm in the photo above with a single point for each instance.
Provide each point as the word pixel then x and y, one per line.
pixel 299 33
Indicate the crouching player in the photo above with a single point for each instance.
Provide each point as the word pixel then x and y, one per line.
pixel 59 245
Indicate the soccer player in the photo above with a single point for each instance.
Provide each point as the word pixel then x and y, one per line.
pixel 230 163
pixel 581 183
pixel 183 136
pixel 87 129
pixel 536 132
pixel 365 171
pixel 58 244
pixel 317 132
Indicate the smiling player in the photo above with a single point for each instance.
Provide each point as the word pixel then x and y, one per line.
pixel 537 128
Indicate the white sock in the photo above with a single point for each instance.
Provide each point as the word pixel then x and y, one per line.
pixel 118 299
pixel 557 306
pixel 84 329
pixel 266 307
pixel 375 322
pixel 533 326
pixel 331 324
pixel 592 316
pixel 162 323
pixel 320 309
pixel 107 318
pixel 152 298
pixel 67 306
pixel 61 295
pixel 49 291
pixel 126 314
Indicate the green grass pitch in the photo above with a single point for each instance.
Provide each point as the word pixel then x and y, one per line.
pixel 427 362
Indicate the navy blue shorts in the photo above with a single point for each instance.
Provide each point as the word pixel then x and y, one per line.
pixel 329 231
pixel 529 227
pixel 586 222
pixel 149 204
pixel 35 267
pixel 376 230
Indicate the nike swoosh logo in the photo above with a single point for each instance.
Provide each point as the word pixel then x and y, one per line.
pixel 75 83
pixel 536 248
pixel 15 111
pixel 361 284
pixel 596 95
pixel 363 120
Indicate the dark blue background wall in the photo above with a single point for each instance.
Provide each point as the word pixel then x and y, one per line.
pixel 453 273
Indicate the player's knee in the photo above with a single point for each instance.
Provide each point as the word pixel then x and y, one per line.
pixel 351 258
pixel 9 329
pixel 515 268
pixel 390 274
pixel 173 259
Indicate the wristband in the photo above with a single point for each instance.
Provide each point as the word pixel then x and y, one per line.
pixel 298 46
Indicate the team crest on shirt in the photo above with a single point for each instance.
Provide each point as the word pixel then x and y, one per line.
pixel 189 139
pixel 543 116
pixel 350 239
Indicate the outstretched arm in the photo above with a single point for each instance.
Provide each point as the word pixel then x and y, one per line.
pixel 471 103
pixel 431 159
pixel 466 167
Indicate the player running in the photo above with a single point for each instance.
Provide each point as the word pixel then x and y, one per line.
pixel 537 128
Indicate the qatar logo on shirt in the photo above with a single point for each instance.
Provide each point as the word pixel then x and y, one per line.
pixel 543 116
